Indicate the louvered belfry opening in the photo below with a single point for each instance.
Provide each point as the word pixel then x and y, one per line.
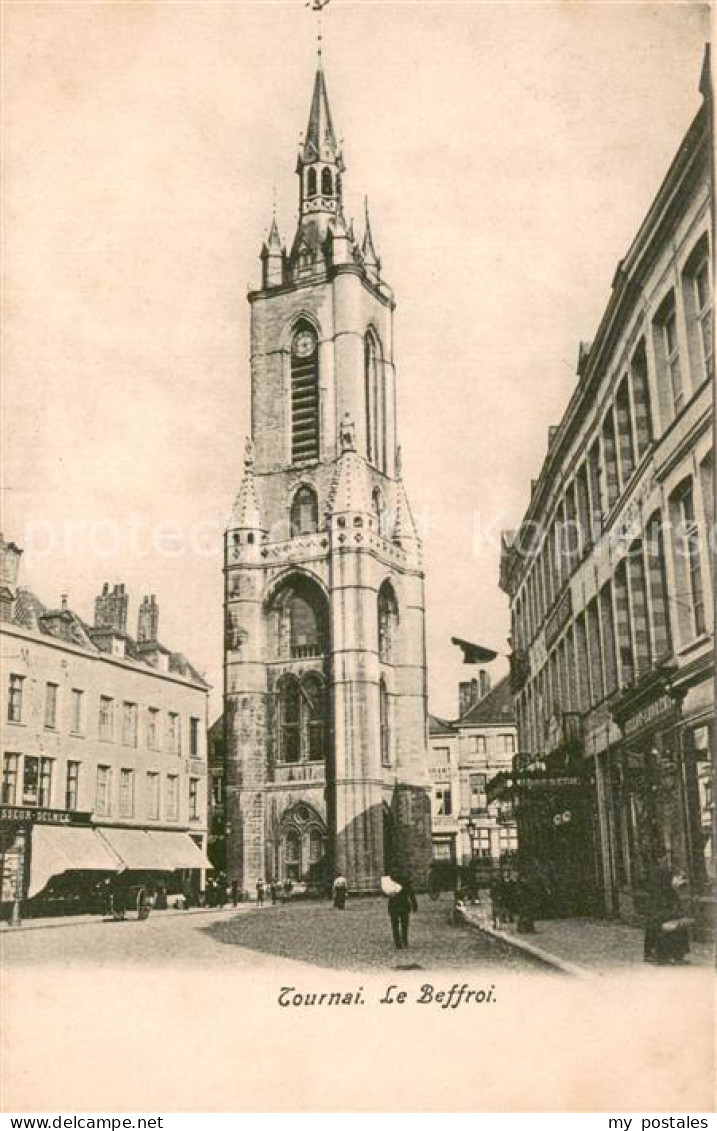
pixel 304 395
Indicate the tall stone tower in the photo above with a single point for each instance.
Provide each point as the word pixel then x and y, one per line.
pixel 325 669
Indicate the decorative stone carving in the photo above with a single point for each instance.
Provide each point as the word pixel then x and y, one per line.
pixel 347 434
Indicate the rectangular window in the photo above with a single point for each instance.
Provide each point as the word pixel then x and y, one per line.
pixel 478 744
pixel 508 840
pixel 51 705
pixel 103 798
pixel 443 851
pixel 444 801
pixel 14 699
pixel 623 626
pixel 672 358
pixel 481 844
pixel 703 303
pixel 641 400
pixel 609 448
pixel 608 636
pixel 507 743
pixel 126 798
pixel 171 801
pixel 129 724
pixel 657 585
pixel 10 767
pixel 106 718
pixel 78 711
pixel 153 728
pixel 194 799
pixel 581 662
pixel 441 756
pixel 173 732
pixel 595 483
pixel 152 796
pixel 37 781
pixel 477 784
pixel 595 649
pixel 193 738
pixel 45 782
pixel 687 547
pixel 72 784
pixel 625 441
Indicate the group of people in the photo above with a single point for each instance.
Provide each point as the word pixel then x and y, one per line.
pixel 275 891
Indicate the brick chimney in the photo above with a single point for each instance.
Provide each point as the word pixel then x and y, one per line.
pixel 148 620
pixel 10 555
pixel 111 608
pixel 468 696
pixel 484 682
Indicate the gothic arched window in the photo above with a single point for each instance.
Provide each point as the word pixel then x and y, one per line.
pixel 316 846
pixel 311 182
pixel 292 855
pixel 327 184
pixel 298 621
pixel 385 724
pixel 387 622
pixel 304 394
pixel 375 400
pixel 304 512
pixel 314 717
pixel 301 719
pixel 289 720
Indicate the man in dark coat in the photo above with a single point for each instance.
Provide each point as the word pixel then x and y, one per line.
pixel 400 907
pixel 663 905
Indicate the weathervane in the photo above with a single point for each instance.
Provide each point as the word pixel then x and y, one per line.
pixel 318 6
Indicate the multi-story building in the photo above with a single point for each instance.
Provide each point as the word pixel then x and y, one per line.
pixel 464 757
pixel 610 577
pixel 104 743
pixel 325 672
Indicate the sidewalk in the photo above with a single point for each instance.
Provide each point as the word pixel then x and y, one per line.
pixel 51 921
pixel 582 946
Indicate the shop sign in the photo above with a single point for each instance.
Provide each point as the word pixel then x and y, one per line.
pixel 654 712
pixel 30 815
pixel 528 782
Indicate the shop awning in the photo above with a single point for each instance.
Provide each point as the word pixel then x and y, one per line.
pixel 136 849
pixel 56 850
pixel 180 850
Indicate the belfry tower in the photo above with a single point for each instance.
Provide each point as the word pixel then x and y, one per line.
pixel 325 669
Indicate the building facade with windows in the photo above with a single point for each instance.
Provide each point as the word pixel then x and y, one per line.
pixel 465 756
pixel 610 578
pixel 104 743
pixel 325 672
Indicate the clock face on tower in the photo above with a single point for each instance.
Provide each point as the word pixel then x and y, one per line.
pixel 304 343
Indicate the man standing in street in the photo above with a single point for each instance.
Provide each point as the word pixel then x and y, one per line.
pixel 400 907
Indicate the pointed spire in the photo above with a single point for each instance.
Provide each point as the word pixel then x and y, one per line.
pixel 368 249
pixel 245 513
pixel 320 142
pixel 274 241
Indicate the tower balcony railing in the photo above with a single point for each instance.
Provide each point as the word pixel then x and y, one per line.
pixel 285 772
pixel 300 546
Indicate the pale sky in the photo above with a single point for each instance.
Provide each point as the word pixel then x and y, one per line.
pixel 509 152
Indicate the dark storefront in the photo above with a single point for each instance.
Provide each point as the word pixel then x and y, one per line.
pixel 553 801
pixel 659 780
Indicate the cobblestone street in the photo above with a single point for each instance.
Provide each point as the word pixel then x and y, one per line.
pixel 271 937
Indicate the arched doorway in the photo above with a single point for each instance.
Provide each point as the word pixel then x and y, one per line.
pixel 302 846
